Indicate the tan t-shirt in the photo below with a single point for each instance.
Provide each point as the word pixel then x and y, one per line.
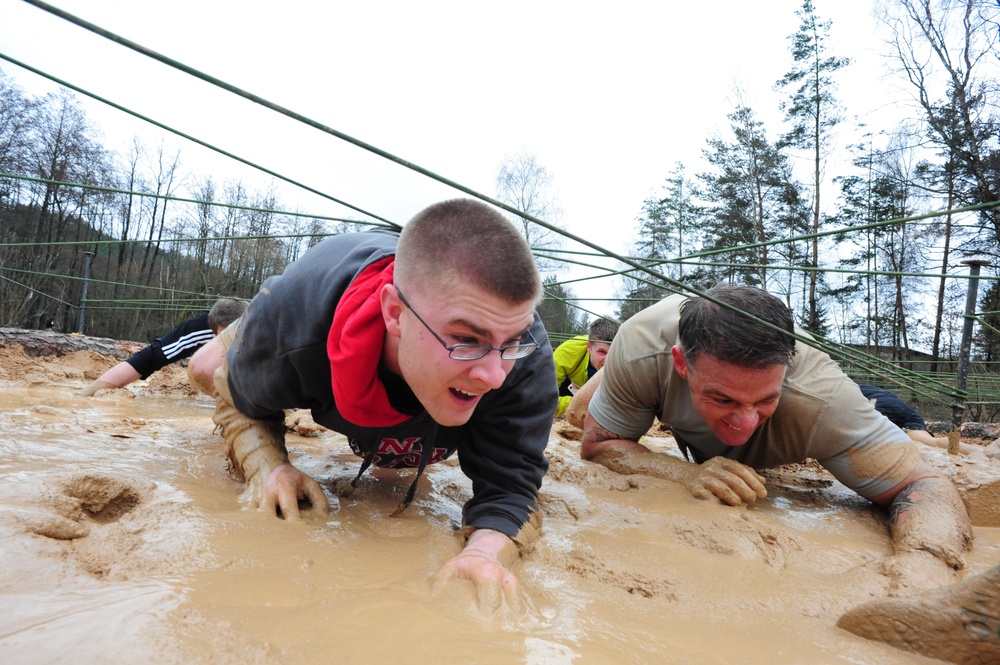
pixel 821 414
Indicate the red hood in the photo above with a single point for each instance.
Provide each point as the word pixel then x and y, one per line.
pixel 354 347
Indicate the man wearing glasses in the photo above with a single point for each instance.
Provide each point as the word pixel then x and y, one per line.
pixel 408 379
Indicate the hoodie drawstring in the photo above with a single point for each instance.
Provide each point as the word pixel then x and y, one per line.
pixel 410 493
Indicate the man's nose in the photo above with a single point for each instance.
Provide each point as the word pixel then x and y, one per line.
pixel 491 369
pixel 745 418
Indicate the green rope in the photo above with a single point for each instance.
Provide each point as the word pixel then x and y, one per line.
pixel 181 199
pixel 104 281
pixel 194 140
pixel 34 290
pixel 849 229
pixel 849 271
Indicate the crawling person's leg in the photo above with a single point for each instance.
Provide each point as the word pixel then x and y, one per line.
pixel 206 360
pixel 926 438
pixel 959 624
pixel 202 365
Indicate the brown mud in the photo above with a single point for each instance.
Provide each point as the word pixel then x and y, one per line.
pixel 123 541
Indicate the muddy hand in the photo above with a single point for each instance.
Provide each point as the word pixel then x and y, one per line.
pixel 285 486
pixel 255 448
pixel 725 479
pixel 497 589
pixel 93 387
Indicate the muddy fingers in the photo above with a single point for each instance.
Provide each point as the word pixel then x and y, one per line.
pixel 285 486
pixel 731 482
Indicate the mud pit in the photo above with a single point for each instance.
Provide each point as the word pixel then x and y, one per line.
pixel 123 541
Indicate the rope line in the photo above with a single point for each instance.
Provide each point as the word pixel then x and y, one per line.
pixel 167 197
pixel 198 141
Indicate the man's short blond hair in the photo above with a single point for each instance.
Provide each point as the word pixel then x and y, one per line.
pixel 224 312
pixel 602 330
pixel 463 241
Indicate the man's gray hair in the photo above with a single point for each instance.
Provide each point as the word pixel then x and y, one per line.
pixel 732 337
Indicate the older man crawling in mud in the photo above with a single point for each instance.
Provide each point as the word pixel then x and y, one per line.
pixel 740 393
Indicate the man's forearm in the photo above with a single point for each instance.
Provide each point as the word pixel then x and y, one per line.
pixel 928 515
pixel 640 460
pixel 626 456
pixel 597 439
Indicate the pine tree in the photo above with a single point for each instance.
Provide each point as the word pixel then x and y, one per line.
pixel 755 202
pixel 561 317
pixel 666 226
pixel 813 112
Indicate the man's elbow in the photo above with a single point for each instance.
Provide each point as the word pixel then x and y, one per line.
pixel 200 371
pixel 595 439
pixel 199 380
pixel 579 405
pixel 588 449
pixel 598 441
pixel 922 472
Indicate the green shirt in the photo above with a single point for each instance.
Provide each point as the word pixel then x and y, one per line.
pixel 572 360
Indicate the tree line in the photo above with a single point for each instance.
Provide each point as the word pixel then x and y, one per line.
pixel 76 209
pixel 754 215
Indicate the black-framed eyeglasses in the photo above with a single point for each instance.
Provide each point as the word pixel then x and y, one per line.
pixel 477 351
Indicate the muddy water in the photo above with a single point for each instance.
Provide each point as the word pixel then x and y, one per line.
pixel 172 568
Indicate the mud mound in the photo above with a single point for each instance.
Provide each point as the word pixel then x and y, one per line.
pixel 14 363
pixel 173 380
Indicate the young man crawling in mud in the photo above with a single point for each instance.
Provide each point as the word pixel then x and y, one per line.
pixel 740 395
pixel 413 345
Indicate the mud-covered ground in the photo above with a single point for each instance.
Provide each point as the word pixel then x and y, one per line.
pixel 123 541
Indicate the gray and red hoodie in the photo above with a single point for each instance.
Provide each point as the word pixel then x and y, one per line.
pixel 312 339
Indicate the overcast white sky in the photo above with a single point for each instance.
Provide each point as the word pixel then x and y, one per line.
pixel 607 96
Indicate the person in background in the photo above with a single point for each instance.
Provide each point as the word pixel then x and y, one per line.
pixel 902 415
pixel 579 358
pixel 179 343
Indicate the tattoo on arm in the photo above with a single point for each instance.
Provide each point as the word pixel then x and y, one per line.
pixel 597 434
pixel 910 496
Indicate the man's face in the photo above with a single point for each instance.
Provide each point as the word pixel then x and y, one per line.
pixel 460 314
pixel 598 353
pixel 733 400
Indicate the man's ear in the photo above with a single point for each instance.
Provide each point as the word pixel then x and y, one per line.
pixel 392 309
pixel 680 364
